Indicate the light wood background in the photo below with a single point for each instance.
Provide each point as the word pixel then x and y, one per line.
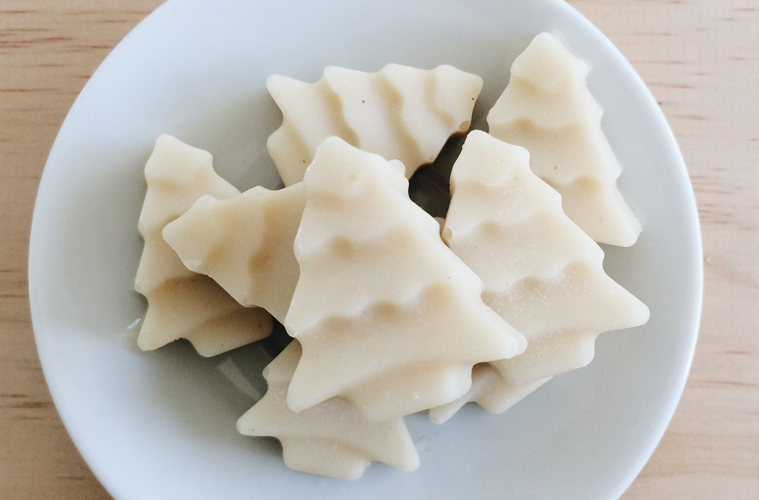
pixel 701 60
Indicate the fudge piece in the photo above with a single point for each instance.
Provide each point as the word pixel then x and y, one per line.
pixel 388 316
pixel 245 244
pixel 540 271
pixel 548 109
pixel 182 304
pixel 330 439
pixel 400 113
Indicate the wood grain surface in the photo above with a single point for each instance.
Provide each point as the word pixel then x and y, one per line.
pixel 701 60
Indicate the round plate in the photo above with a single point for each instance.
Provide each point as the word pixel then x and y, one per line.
pixel 162 425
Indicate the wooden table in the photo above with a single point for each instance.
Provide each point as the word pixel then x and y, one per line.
pixel 701 60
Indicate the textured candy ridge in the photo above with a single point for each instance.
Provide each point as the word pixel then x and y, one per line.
pixel 399 112
pixel 540 271
pixel 245 244
pixel 548 109
pixel 388 317
pixel 331 438
pixel 182 304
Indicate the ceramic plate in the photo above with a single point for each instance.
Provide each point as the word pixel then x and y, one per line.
pixel 162 425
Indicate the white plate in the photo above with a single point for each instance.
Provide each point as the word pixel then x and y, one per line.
pixel 162 425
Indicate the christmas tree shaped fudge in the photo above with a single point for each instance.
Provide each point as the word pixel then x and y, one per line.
pixel 245 244
pixel 398 112
pixel 330 439
pixel 182 304
pixel 388 317
pixel 541 272
pixel 548 109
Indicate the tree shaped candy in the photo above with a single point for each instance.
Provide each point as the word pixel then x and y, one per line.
pixel 330 439
pixel 245 244
pixel 388 317
pixel 399 112
pixel 548 109
pixel 182 304
pixel 541 272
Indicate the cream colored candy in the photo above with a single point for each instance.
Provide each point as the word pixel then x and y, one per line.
pixel 330 439
pixel 398 112
pixel 488 390
pixel 540 271
pixel 548 109
pixel 182 304
pixel 245 244
pixel 388 317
